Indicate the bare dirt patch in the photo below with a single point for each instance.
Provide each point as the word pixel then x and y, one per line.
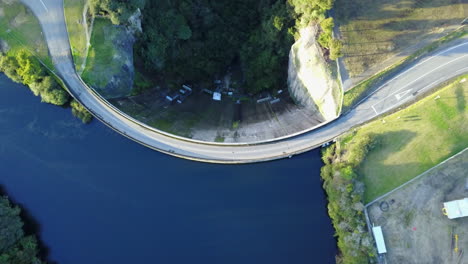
pixel 201 118
pixel 414 227
pixel 19 20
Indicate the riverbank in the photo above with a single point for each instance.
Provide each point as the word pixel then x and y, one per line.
pixel 381 155
pixel 16 245
pixel 85 183
pixel 24 57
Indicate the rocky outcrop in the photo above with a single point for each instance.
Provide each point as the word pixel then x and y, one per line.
pixel 121 76
pixel 310 80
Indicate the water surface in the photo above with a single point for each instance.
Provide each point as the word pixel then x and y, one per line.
pixel 100 198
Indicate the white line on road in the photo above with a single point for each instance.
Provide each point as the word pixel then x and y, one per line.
pixel 429 85
pixel 442 52
pixel 377 113
pixel 420 77
pixel 434 82
pixel 396 77
pixel 400 95
pixel 44 5
pixel 462 70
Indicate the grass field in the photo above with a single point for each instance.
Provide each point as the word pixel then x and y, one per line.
pixel 376 30
pixel 414 139
pixel 20 29
pixel 101 54
pixel 77 30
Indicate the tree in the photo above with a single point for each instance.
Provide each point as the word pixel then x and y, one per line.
pixel 28 68
pixel 9 65
pixel 15 247
pixel 118 11
pixel 336 47
pixel 327 24
pixel 79 111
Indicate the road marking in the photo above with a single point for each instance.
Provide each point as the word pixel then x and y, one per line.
pixel 429 85
pixel 461 70
pixel 420 77
pixel 400 95
pixel 396 77
pixel 435 55
pixel 375 110
pixel 434 82
pixel 45 7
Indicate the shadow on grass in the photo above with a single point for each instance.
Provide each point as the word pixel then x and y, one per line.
pixel 461 100
pixel 378 176
pixel 418 24
pixel 378 10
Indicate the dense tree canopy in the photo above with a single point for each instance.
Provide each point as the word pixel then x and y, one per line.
pixel 25 69
pixel 118 11
pixel 192 40
pixel 197 41
pixel 15 247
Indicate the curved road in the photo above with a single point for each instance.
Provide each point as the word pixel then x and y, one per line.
pixel 400 90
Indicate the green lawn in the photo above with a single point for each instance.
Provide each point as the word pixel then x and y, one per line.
pixel 20 29
pixel 76 25
pixel 101 54
pixel 415 139
pixel 375 30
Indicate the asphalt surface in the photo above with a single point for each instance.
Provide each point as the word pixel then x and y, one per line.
pixel 420 78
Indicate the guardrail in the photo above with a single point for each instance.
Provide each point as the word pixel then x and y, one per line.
pixel 153 129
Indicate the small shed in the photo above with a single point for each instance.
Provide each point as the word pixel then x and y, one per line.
pixel 186 87
pixel 456 209
pixel 379 239
pixel 217 96
pixel 172 97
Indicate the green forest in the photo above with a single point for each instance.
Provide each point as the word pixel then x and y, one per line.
pixel 15 246
pixel 198 41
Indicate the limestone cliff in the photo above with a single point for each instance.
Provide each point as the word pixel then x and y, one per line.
pixel 310 80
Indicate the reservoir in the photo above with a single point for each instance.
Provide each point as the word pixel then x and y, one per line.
pixel 95 197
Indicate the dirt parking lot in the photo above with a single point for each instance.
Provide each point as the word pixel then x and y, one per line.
pixel 414 227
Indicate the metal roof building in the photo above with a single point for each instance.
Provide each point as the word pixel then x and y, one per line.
pixel 456 209
pixel 379 239
pixel 217 96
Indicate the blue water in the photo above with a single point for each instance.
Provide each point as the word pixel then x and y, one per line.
pixel 99 198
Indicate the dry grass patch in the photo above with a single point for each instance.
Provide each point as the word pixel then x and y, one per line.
pixel 376 30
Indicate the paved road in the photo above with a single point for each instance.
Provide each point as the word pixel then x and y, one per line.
pixel 422 77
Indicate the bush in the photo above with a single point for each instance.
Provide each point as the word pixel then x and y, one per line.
pixel 79 111
pixel 15 247
pixel 336 47
pixel 26 69
pixel 345 195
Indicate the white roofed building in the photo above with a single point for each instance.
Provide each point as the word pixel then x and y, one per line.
pixel 379 239
pixel 217 96
pixel 456 209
